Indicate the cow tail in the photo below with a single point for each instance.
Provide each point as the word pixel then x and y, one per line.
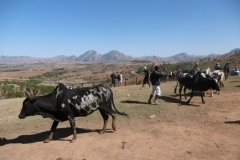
pixel 121 113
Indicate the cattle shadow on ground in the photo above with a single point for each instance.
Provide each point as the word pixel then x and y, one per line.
pixel 135 102
pixel 238 86
pixel 233 122
pixel 183 97
pixel 174 100
pixel 188 94
pixel 235 81
pixel 59 134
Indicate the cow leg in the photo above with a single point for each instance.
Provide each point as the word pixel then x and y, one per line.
pixel 218 92
pixel 105 120
pixel 73 126
pixel 185 88
pixel 202 98
pixel 190 97
pixel 211 92
pixel 113 122
pixel 53 128
pixel 175 89
pixel 221 84
pixel 107 112
pixel 180 91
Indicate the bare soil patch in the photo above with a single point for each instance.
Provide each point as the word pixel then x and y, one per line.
pixel 178 131
pixel 20 74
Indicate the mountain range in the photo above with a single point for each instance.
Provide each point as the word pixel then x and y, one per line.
pixel 93 56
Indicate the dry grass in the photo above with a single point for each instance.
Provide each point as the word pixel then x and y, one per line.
pixel 129 99
pixel 197 131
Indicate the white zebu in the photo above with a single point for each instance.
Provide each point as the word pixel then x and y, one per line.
pixel 220 73
pixel 220 80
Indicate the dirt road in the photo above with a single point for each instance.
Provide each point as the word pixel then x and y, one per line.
pixel 208 131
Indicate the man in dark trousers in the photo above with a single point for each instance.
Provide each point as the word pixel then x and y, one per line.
pixel 156 81
pixel 226 69
pixel 145 78
pixel 113 77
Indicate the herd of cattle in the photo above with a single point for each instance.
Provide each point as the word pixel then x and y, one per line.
pixel 202 81
pixel 65 104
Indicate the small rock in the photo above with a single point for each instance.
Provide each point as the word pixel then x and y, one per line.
pixel 152 116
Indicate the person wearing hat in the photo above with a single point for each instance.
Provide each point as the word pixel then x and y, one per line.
pixel 195 69
pixel 145 78
pixel 155 79
pixel 217 67
pixel 227 69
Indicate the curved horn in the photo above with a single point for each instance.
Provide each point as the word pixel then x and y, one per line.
pixel 37 93
pixel 27 93
pixel 31 92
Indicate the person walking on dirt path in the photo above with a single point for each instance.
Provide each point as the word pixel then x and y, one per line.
pixel 113 77
pixel 155 79
pixel 145 78
pixel 226 69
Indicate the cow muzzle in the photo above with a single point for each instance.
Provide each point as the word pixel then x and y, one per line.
pixel 21 116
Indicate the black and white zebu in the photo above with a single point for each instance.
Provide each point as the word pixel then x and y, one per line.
pixel 65 104
pixel 196 83
pixel 203 84
pixel 185 80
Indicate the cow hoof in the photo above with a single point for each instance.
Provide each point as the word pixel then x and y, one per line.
pixel 46 141
pixel 114 128
pixel 73 140
pixel 101 132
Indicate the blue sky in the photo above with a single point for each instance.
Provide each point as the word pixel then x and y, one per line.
pixel 47 28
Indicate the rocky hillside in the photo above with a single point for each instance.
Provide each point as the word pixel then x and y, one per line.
pixel 93 56
pixel 114 56
pixel 181 57
pixel 232 57
pixel 89 56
